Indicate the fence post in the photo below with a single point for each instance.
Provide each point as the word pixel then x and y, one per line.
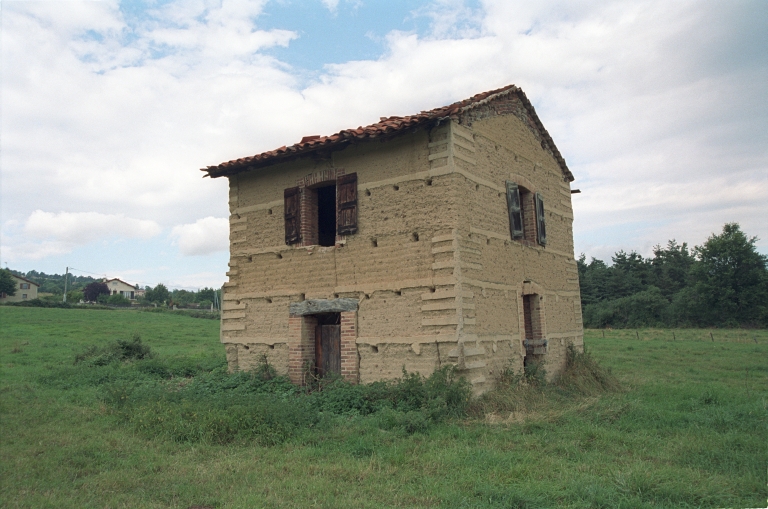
pixel 712 337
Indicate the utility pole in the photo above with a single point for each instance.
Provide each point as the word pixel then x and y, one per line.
pixel 66 276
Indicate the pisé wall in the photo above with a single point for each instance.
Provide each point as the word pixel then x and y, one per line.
pixel 432 274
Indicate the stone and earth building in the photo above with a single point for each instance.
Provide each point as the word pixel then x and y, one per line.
pixel 439 238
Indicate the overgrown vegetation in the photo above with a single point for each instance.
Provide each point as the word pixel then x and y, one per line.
pixel 722 283
pixel 519 394
pixel 160 400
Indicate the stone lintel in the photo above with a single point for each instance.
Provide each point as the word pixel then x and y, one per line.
pixel 316 306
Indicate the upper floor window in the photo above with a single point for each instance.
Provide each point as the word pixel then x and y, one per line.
pixel 318 215
pixel 24 286
pixel 526 214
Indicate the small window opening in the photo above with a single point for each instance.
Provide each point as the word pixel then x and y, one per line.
pixel 398 292
pixel 396 187
pixel 429 182
pixel 374 243
pixel 302 297
pixel 367 192
pixel 279 256
pixel 271 347
pixel 535 344
pixel 269 212
pixel 374 349
pixel 415 237
pixel 326 216
pixel 250 258
pixel 269 301
pixel 431 289
pixel 246 347
pixel 477 187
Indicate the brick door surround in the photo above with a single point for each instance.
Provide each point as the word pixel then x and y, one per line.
pixel 301 329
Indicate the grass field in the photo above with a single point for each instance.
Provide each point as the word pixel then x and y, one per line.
pixel 687 429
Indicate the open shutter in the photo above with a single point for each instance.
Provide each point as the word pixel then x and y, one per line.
pixel 540 226
pixel 346 204
pixel 292 197
pixel 515 211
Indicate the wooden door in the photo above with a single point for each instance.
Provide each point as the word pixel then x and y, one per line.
pixel 328 349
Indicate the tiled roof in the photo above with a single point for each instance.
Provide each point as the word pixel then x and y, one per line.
pixel 385 127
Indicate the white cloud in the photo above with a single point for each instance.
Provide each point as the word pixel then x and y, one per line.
pixel 331 5
pixel 80 228
pixel 203 237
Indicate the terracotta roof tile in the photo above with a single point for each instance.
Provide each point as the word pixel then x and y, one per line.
pixel 386 126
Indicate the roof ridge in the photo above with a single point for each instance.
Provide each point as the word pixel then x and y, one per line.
pixel 386 126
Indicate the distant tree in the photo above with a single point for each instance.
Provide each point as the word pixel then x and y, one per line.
pixel 75 296
pixel 7 283
pixel 205 294
pixel 730 280
pixel 183 297
pixel 92 291
pixel 117 300
pixel 670 267
pixel 158 294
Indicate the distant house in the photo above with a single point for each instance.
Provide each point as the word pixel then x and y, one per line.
pixel 25 290
pixel 119 287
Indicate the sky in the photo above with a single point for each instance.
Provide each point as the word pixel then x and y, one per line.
pixel 109 110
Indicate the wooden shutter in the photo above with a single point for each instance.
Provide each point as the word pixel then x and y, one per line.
pixel 541 228
pixel 292 197
pixel 346 204
pixel 515 210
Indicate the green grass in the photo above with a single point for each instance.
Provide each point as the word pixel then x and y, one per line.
pixel 687 428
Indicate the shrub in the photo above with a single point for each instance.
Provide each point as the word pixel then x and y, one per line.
pixel 583 375
pixel 116 351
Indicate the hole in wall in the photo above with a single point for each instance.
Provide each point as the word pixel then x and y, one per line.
pixel 429 182
pixel 279 256
pixel 477 187
pixel 415 237
pixel 271 347
pixel 246 347
pixel 238 302
pixel 374 243
pixel 335 295
pixel 236 216
pixel 269 301
pixel 431 289
pixel 374 349
pixel 396 187
pixel 367 192
pixel 398 292
pixel 250 258
pixel 302 296
pixel 269 212
pixel 487 242
pixel 499 195
pixel 367 296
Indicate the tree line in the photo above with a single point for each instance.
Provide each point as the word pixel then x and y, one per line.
pixel 722 283
pixel 89 289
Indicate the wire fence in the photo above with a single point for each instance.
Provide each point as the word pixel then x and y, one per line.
pixel 754 336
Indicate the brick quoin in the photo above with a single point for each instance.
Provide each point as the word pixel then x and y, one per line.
pixel 350 366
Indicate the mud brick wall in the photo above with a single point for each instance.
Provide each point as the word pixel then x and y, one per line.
pixel 437 278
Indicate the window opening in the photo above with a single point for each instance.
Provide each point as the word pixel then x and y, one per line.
pixel 534 342
pixel 326 215
pixel 526 214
